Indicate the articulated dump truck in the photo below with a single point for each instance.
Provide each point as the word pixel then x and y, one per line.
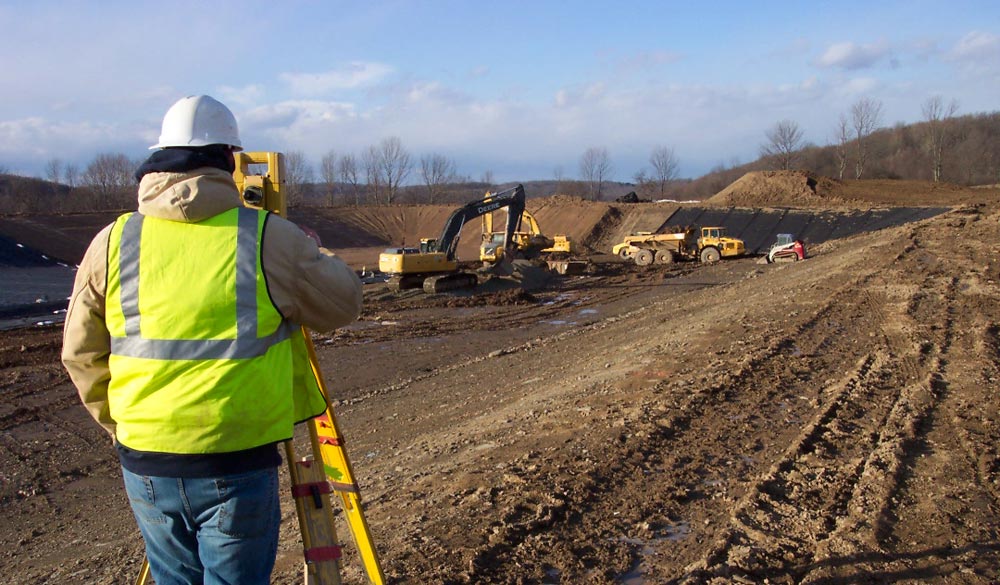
pixel 645 248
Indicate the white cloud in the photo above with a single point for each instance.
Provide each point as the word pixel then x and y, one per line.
pixel 240 97
pixel 858 86
pixel 645 60
pixel 479 71
pixel 976 45
pixel 561 98
pixel 291 113
pixel 852 56
pixel 354 75
pixel 28 142
pixel 705 123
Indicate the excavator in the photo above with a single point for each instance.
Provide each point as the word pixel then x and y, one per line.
pixel 434 266
pixel 527 239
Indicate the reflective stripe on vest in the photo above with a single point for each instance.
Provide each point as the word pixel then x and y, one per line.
pixel 245 345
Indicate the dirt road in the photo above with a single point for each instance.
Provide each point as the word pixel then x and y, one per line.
pixel 828 421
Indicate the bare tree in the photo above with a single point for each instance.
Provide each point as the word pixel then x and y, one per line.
pixel 843 138
pixel 109 175
pixel 348 170
pixel 373 175
pixel 436 170
pixel 71 175
pixel 558 175
pixel 866 116
pixel 937 115
pixel 394 164
pixel 646 187
pixel 54 170
pixel 328 170
pixel 595 169
pixel 665 168
pixel 784 140
pixel 487 178
pixel 298 172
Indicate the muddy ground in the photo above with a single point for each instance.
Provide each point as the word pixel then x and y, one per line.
pixel 827 421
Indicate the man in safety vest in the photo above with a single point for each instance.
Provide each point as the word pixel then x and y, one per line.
pixel 183 337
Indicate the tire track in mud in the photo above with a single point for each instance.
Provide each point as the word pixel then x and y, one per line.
pixel 812 517
pixel 645 450
pixel 801 498
pixel 767 528
pixel 948 482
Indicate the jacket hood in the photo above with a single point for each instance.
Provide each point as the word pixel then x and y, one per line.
pixel 188 197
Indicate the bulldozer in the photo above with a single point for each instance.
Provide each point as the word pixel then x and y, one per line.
pixel 433 265
pixel 645 248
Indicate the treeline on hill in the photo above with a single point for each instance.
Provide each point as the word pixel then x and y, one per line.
pixel 964 150
pixel 969 155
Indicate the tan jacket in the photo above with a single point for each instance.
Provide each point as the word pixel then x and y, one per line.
pixel 308 284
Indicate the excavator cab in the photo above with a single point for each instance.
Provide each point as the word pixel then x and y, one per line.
pixel 428 245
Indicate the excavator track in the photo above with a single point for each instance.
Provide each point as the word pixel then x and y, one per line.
pixel 400 283
pixel 449 282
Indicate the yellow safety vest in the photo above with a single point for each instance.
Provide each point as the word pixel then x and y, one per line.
pixel 201 359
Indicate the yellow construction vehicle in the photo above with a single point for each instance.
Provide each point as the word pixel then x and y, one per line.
pixel 714 244
pixel 433 265
pixel 528 242
pixel 645 248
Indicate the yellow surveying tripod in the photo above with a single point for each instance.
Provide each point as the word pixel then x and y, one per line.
pixel 328 468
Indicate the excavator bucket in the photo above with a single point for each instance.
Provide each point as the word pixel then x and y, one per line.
pixel 502 267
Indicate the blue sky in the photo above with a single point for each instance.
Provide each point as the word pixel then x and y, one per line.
pixel 519 89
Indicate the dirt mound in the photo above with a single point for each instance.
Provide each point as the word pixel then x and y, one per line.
pixel 779 189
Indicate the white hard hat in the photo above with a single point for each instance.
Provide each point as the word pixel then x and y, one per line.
pixel 198 120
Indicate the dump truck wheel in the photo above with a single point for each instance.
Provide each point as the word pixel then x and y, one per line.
pixel 644 257
pixel 664 257
pixel 710 255
pixel 623 253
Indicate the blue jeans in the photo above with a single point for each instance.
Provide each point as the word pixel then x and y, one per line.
pixel 218 530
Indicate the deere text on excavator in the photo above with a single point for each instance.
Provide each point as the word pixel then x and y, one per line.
pixel 434 265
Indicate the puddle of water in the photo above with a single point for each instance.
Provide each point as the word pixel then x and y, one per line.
pixel 669 533
pixel 588 311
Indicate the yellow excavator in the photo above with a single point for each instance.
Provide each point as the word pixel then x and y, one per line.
pixel 528 240
pixel 433 266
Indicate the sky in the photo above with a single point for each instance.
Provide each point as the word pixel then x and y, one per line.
pixel 516 89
